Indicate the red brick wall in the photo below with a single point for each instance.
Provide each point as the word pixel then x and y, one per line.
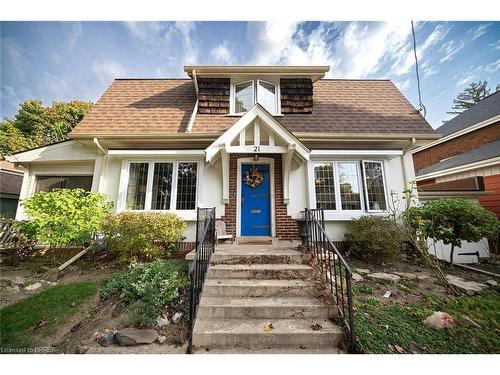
pixel 286 227
pixel 456 146
pixel 492 201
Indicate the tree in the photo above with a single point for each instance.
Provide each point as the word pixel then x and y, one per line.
pixel 472 94
pixel 35 125
pixel 453 220
pixel 64 216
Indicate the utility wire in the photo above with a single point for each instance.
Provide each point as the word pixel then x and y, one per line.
pixel 422 106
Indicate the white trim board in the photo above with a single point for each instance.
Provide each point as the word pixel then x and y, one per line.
pixel 315 153
pixel 460 168
pixel 145 153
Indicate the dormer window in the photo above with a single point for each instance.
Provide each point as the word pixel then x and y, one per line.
pixel 247 93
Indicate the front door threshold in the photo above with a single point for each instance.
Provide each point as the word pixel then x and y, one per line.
pixel 256 240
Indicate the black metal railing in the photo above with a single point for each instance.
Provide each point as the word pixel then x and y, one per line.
pixel 334 269
pixel 205 246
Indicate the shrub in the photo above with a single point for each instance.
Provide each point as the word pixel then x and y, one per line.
pixel 149 286
pixel 374 239
pixel 143 235
pixel 453 220
pixel 64 216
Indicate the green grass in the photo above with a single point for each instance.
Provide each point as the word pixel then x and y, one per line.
pixel 377 326
pixel 52 305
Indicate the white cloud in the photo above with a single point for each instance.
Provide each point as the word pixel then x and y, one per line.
pixel 465 80
pixel 108 70
pixel 54 87
pixel 187 30
pixel 403 85
pixel 492 67
pixel 478 31
pixel 357 50
pixel 450 49
pixel 221 54
pixel 73 33
pixel 495 45
pixel 13 61
pixel 406 59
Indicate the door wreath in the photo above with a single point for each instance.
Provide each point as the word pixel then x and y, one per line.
pixel 253 177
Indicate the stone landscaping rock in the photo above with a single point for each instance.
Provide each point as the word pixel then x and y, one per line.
pixel 357 278
pixel 19 280
pixel 161 339
pixel 382 276
pixel 440 320
pixel 177 317
pixel 107 338
pixel 161 321
pixel 119 309
pixel 407 275
pixel 468 287
pixel 492 283
pixel 362 271
pixel 135 336
pixel 82 349
pixel 423 277
pixel 33 287
pixel 12 289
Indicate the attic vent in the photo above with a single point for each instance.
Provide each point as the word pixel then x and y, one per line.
pixel 213 95
pixel 296 95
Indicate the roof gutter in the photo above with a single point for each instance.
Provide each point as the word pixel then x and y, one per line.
pixel 363 136
pixel 195 109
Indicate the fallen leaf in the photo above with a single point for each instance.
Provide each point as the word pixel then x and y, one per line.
pixel 391 347
pixel 316 326
pixel 40 324
pixel 399 349
pixel 268 327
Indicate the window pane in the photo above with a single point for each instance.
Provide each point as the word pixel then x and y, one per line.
pixel 243 95
pixel 266 96
pixel 162 186
pixel 324 186
pixel 349 186
pixel 77 182
pixel 49 183
pixel 186 186
pixel 375 185
pixel 136 190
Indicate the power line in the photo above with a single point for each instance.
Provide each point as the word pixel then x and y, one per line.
pixel 422 106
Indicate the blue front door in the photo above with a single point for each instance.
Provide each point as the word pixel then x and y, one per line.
pixel 255 200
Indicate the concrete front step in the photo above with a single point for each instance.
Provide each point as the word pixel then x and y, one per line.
pixel 262 307
pixel 304 350
pixel 258 288
pixel 256 255
pixel 249 333
pixel 260 271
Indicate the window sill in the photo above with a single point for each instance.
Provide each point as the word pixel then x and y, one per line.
pixel 346 216
pixel 242 114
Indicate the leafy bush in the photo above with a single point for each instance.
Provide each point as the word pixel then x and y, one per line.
pixel 143 235
pixel 453 220
pixel 149 286
pixel 374 239
pixel 64 216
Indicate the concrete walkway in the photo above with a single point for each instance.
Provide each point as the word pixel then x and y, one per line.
pixel 262 299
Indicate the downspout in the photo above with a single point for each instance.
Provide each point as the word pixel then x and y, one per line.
pixel 403 164
pixel 195 109
pixel 104 161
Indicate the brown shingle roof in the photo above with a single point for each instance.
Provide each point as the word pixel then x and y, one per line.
pixel 340 106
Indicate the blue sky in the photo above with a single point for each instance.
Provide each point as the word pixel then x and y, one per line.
pixel 78 60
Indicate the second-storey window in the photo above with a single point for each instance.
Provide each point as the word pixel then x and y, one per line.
pixel 247 93
pixel 162 186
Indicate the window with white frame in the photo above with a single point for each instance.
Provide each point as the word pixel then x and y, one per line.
pixel 373 172
pixel 168 185
pixel 246 94
pixel 340 185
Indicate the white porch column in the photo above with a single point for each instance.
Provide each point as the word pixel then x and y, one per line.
pixel 224 157
pixel 287 166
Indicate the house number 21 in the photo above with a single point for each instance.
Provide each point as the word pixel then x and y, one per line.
pixel 256 148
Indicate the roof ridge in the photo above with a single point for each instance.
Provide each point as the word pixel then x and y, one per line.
pixel 153 79
pixel 355 79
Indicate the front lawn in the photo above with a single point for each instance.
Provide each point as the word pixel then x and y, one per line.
pixel 41 313
pixel 395 327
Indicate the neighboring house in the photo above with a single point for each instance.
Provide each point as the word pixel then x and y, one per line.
pixel 259 143
pixel 11 179
pixel 465 162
